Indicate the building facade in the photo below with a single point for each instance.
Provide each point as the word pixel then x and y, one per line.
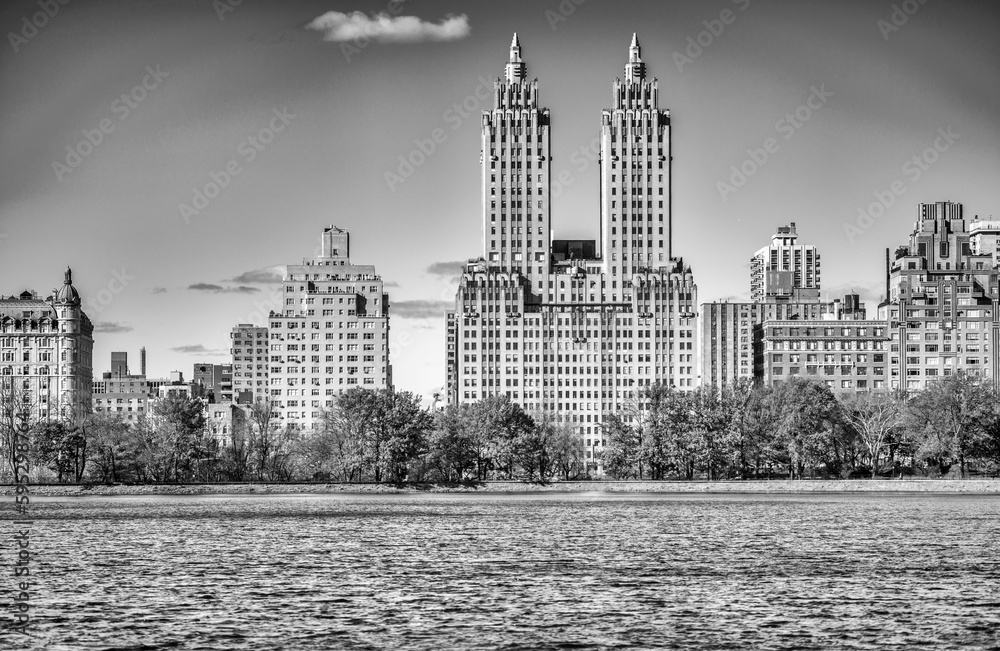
pixel 332 335
pixel 785 269
pixel 727 332
pixel 574 329
pixel 985 238
pixel 942 301
pixel 250 352
pixel 846 355
pixel 46 354
pixel 128 395
pixel 213 382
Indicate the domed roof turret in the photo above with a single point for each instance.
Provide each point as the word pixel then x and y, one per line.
pixel 67 293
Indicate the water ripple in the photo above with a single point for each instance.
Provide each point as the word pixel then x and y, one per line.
pixel 544 572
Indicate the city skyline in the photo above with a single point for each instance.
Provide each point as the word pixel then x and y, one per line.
pixel 182 297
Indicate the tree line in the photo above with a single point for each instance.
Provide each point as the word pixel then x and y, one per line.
pixel 742 431
pixel 800 428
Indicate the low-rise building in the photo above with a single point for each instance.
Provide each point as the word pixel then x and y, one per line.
pixel 846 355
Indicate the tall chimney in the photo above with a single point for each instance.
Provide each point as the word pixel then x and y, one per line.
pixel 888 266
pixel 142 361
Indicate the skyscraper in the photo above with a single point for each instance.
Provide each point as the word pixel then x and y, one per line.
pixel 575 329
pixel 332 333
pixel 785 270
pixel 943 302
pixel 515 174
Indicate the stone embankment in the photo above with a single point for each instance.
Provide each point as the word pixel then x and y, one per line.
pixel 773 486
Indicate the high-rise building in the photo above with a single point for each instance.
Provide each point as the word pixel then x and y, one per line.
pixel 943 301
pixel 213 382
pixel 785 270
pixel 119 364
pixel 515 170
pixel 985 238
pixel 574 329
pixel 332 335
pixel 46 354
pixel 250 360
pixel 784 285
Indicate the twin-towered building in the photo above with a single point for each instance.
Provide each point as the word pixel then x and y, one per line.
pixel 574 329
pixel 571 329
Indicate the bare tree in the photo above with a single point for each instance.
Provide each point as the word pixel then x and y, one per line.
pixel 874 417
pixel 263 434
pixel 18 414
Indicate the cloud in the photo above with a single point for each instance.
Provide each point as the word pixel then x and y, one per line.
pixel 267 275
pixel 420 309
pixel 159 290
pixel 390 283
pixel 450 269
pixel 219 289
pixel 339 27
pixel 111 327
pixel 198 349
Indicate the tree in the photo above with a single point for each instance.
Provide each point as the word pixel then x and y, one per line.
pixel 61 448
pixel 566 452
pixel 710 424
pixel 344 428
pixel 953 417
pixel 665 428
pixel 17 416
pixel 874 417
pixel 236 457
pixel 271 445
pixel 452 450
pixel 113 447
pixel 377 433
pixel 623 450
pixel 176 436
pixel 808 411
pixel 751 422
pixel 532 448
pixel 501 426
pixel 402 424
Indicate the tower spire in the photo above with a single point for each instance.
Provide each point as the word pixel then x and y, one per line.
pixel 516 70
pixel 635 70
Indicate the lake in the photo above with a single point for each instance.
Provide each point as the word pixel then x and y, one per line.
pixel 513 571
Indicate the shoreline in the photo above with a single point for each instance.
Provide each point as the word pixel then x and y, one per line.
pixel 776 486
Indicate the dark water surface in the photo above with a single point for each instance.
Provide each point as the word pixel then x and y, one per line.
pixel 523 571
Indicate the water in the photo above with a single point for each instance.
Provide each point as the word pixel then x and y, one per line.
pixel 534 571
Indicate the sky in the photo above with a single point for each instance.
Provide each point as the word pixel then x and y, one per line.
pixel 120 117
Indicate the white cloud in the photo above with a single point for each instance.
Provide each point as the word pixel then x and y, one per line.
pixel 339 27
